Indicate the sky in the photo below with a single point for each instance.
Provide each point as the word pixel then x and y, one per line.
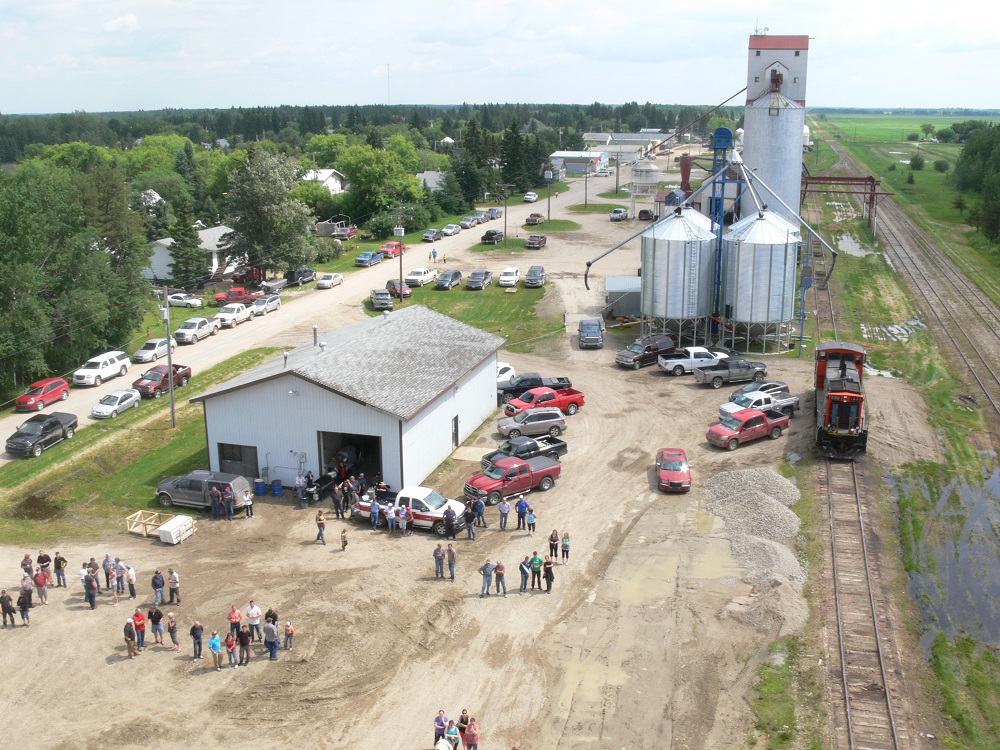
pixel 113 55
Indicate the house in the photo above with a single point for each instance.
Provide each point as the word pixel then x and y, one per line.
pixel 578 162
pixel 433 180
pixel 392 395
pixel 331 179
pixel 211 238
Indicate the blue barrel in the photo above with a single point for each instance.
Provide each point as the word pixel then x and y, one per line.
pixel 259 487
pixel 276 488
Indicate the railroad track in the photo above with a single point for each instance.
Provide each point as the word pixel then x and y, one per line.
pixel 864 717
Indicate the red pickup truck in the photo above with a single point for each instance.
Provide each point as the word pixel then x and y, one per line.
pixel 568 399
pixel 154 382
pixel 512 476
pixel 747 425
pixel 393 249
pixel 237 294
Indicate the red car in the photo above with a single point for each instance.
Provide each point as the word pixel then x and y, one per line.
pixel 41 394
pixel 673 473
pixel 393 249
pixel 393 286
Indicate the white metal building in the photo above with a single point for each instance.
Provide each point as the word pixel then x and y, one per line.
pixel 393 395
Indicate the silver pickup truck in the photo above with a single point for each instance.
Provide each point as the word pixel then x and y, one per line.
pixel 782 401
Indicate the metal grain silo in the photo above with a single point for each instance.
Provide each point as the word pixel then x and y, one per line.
pixel 677 267
pixel 759 256
pixel 772 150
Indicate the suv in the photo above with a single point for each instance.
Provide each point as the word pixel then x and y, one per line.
pixel 468 222
pixel 479 279
pixel 642 352
pixel 42 393
pixel 193 488
pixel 299 276
pixel 530 197
pixel 381 299
pixel 98 369
pixel 543 421
pixel 448 279
pixel 494 213
pixel 509 276
pixel 591 333
pixel 535 276
pixel 645 214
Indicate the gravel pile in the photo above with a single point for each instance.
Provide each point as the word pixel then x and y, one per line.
pixel 765 560
pixel 768 481
pixel 752 512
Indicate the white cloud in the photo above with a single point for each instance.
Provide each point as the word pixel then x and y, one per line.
pixel 128 22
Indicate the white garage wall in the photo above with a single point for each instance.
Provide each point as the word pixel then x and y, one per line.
pixel 280 424
pixel 427 437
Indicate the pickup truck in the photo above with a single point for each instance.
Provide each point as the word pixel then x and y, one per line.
pixel 348 232
pixel 782 401
pixel 534 220
pixel 368 258
pixel 619 214
pixel 233 314
pixel 492 237
pixel 392 249
pixel 730 371
pixel 747 425
pixel 237 294
pixel 40 432
pixel 273 286
pixel 512 476
pixel 508 390
pixel 248 275
pixel 428 507
pixel 525 448
pixel 154 382
pixel 536 241
pixel 644 351
pixel 688 358
pixel 194 330
pixel 569 400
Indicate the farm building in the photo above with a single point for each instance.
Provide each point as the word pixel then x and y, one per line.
pixel 393 395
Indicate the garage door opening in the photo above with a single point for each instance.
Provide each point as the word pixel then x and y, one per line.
pixel 357 454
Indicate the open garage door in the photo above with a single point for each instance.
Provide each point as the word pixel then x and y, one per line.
pixel 358 454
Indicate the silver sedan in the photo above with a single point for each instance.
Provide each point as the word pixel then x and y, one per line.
pixel 114 403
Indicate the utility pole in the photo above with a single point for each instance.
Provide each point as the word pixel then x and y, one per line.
pixel 170 358
pixel 399 231
pixel 548 180
pixel 502 189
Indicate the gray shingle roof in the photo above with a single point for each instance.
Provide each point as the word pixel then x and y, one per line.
pixel 397 363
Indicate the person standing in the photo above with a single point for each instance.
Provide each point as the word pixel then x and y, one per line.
pixel 434 255
pixel 320 527
pixel 536 571
pixel 439 562
pixel 244 639
pixel 440 725
pixel 27 587
pixel 451 734
pixel 216 498
pixel 120 574
pixel 130 636
pixel 530 519
pixel 90 585
pixel 113 585
pixel 554 543
pixel 565 548
pixel 470 520
pixel 197 631
pixel 402 517
pixel 140 628
pixel 337 498
pixel 343 539
pixel 289 635
pixel 42 580
pixel 229 504
pixel 525 570
pixel 271 639
pixel 157 583
pixel 486 571
pixel 450 519
pixel 26 565
pixel 390 518
pixel 375 510
pixel 215 648
pixel 247 503
pixel 480 507
pixel 44 561
pixel 130 580
pixel 230 644
pixel 253 620
pixel 521 508
pixel 463 724
pixel 174 584
pixel 172 631
pixel 84 570
pixel 60 563
pixel 155 619
pixel 95 567
pixel 452 557
pixel 7 608
pixel 472 735
pixel 24 607
pixel 234 616
pixel 499 572
pixel 504 508
pixel 549 573
pixel 107 565
pixel 300 485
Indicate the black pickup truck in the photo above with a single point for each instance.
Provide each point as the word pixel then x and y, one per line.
pixel 41 432
pixel 730 370
pixel 508 390
pixel 525 448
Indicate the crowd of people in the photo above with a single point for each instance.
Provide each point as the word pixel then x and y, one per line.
pixel 449 733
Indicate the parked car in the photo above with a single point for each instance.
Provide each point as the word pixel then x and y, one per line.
pixel 329 280
pixel 421 276
pixel 154 382
pixel 512 387
pixel 747 425
pixel 492 237
pixel 193 488
pixel 766 386
pixel 688 358
pixel 730 370
pixel 482 216
pixel 448 279
pixel 393 287
pixel 619 214
pixel 591 333
pixel 568 400
pixel 468 222
pixel 299 276
pixel 368 258
pixel 393 249
pixel 427 506
pixel 645 214
pixel 248 275
pixel 479 279
pixel 673 473
pixel 115 403
pixel 432 235
pixel 544 421
pixel 451 229
pixel 42 393
pixel 494 213
pixel 345 232
pixel 194 330
pixel 505 371
pixel 183 299
pixel 535 276
pixel 782 401
pixel 534 220
pixel 231 316
pixel 525 448
pixel 530 197
pixel 98 369
pixel 512 476
pixel 381 299
pixel 273 286
pixel 40 432
pixel 267 303
pixel 536 241
pixel 601 173
pixel 509 276
pixel 644 351
pixel 154 349
pixel 237 294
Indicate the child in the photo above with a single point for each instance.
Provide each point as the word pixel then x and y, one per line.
pixel 289 636
pixel 343 539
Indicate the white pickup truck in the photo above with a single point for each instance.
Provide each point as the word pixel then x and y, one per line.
pixel 233 314
pixel 782 401
pixel 427 505
pixel 688 358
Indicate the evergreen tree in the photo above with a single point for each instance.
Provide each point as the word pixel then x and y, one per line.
pixel 188 260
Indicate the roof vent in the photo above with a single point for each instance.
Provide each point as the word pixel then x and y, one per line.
pixel 322 346
pixel 286 359
pixel 385 313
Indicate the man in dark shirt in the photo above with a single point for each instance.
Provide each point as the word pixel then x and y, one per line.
pixel 244 638
pixel 130 644
pixel 229 502
pixel 155 618
pixel 197 630
pixel 216 498
pixel 7 607
pixel 44 561
pixel 450 519
pixel 61 563
pixel 90 583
